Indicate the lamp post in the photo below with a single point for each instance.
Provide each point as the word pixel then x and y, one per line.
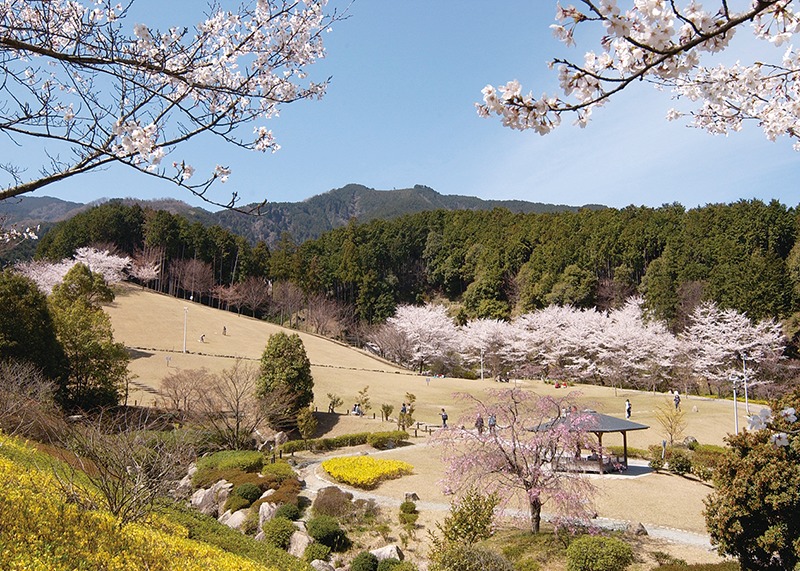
pixel 736 380
pixel 185 317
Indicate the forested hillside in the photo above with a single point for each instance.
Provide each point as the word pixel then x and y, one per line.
pixel 493 264
pixel 302 220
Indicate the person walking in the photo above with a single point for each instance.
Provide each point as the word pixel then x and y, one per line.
pixel 627 408
pixel 677 400
pixel 479 424
pixel 492 423
pixel 443 414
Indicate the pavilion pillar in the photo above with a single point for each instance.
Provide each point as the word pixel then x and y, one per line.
pixel 600 440
pixel 625 447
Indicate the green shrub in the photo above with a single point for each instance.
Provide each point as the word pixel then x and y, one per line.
pixel 598 553
pixel 332 501
pixel 364 561
pixel 316 551
pixel 286 492
pixel 408 519
pixel 208 529
pixel 235 503
pixel 386 440
pixel 667 559
pixel 388 564
pixel 248 491
pixel 278 532
pixel 402 566
pixel 702 472
pixel 679 462
pixel 205 478
pixel 468 557
pixel 326 530
pixel 408 507
pixel 279 471
pixel 471 518
pixel 632 452
pixel 244 460
pixel 288 511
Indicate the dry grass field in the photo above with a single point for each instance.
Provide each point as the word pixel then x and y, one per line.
pixel 152 325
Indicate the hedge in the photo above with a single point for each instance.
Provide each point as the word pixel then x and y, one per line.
pixel 376 439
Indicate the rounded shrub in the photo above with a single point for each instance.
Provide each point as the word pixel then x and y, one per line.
pixel 248 491
pixel 679 462
pixel 288 511
pixel 333 501
pixel 598 553
pixel 469 557
pixel 326 530
pixel 364 561
pixel 278 532
pixel 316 551
pixel 388 564
pixel 280 471
pixel 408 507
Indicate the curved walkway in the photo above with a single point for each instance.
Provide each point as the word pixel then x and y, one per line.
pixel 315 479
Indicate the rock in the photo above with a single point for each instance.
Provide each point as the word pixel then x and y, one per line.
pixel 388 552
pixel 259 536
pixel 412 497
pixel 637 529
pixel 298 543
pixel 237 519
pixel 690 442
pixel 210 501
pixel 267 494
pixel 320 565
pixel 280 438
pixel 266 512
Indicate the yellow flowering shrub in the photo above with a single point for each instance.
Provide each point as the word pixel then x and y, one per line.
pixel 365 471
pixel 41 531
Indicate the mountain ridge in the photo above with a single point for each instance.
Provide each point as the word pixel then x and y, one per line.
pixel 303 220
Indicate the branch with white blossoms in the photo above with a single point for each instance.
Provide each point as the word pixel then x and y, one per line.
pixel 83 78
pixel 663 42
pixel 765 421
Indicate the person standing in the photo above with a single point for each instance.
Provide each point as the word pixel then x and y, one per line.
pixel 492 423
pixel 627 408
pixel 479 424
pixel 443 414
pixel 677 400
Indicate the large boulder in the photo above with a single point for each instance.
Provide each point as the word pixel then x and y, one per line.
pixel 388 552
pixel 298 543
pixel 210 501
pixel 281 438
pixel 266 512
pixel 234 520
pixel 320 565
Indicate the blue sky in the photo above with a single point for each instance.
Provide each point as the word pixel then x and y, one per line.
pixel 400 111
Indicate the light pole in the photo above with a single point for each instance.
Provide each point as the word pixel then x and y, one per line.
pixel 185 317
pixel 736 380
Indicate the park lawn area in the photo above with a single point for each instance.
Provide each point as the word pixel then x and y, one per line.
pixel 151 326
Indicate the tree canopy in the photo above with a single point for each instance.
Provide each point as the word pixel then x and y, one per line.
pixel 285 367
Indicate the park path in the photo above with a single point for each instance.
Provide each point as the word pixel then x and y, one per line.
pixel 315 479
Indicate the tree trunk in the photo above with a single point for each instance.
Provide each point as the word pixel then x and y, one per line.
pixel 536 515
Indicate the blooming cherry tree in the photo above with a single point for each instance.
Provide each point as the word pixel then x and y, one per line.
pixel 48 274
pixel 431 334
pixel 665 42
pixel 533 434
pixel 86 79
pixel 485 341
pixel 720 342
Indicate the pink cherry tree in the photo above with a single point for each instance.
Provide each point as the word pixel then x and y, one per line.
pixel 518 460
pixel 664 43
pixel 93 88
pixel 726 346
pixel 486 342
pixel 429 331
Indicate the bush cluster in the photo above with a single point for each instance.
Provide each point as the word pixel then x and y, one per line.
pixel 278 471
pixel 316 551
pixel 679 462
pixel 364 561
pixel 327 444
pixel 333 501
pixel 364 471
pixel 288 511
pixel 468 557
pixel 598 553
pixel 326 530
pixel 248 491
pixel 278 532
pixel 244 460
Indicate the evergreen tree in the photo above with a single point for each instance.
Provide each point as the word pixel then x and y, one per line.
pixel 285 366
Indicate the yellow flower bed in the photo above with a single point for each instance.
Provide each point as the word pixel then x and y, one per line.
pixel 41 531
pixel 364 471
